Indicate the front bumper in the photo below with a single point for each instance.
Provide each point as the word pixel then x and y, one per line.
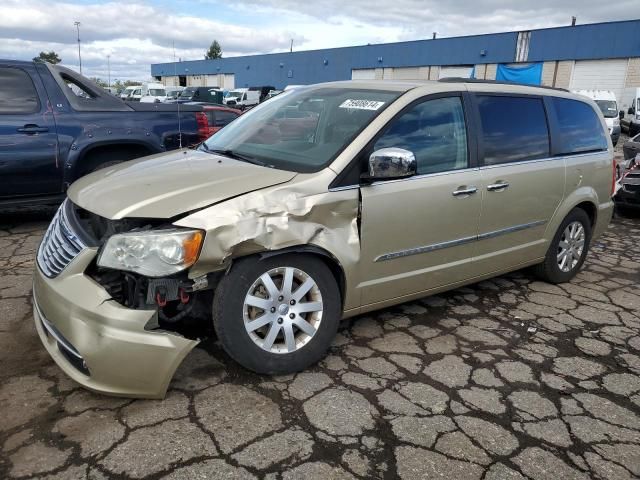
pixel 99 343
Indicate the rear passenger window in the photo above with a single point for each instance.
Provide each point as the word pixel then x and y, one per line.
pixel 224 118
pixel 17 94
pixel 514 129
pixel 434 131
pixel 579 127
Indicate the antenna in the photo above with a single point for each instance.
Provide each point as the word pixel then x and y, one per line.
pixel 175 71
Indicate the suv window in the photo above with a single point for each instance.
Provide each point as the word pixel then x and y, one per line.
pixel 223 118
pixel 580 129
pixel 18 94
pixel 514 129
pixel 434 131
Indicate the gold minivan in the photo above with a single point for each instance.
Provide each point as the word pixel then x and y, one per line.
pixel 322 203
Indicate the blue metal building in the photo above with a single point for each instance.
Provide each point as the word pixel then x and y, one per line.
pixel 567 56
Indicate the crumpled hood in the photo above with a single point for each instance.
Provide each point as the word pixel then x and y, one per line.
pixel 168 184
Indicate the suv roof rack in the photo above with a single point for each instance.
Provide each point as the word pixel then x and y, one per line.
pixel 495 82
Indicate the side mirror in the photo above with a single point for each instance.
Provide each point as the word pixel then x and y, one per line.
pixel 621 114
pixel 390 163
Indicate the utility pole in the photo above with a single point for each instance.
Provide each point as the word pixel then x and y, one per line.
pixel 291 47
pixel 109 71
pixel 77 24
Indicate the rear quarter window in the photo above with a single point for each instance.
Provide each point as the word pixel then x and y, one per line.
pixel 579 127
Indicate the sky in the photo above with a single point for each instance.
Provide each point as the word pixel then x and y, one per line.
pixel 124 38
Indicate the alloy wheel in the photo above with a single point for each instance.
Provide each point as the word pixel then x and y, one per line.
pixel 571 246
pixel 282 310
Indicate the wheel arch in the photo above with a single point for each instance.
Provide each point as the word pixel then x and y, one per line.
pixel 82 164
pixel 327 258
pixel 584 198
pixel 590 209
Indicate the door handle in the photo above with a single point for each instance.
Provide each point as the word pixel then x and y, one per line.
pixel 464 191
pixel 30 129
pixel 497 187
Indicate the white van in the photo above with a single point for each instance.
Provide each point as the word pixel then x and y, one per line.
pixel 242 98
pixel 143 91
pixel 630 111
pixel 606 100
pixel 156 93
pixel 128 91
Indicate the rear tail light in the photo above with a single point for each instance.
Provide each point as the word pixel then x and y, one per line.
pixel 203 125
pixel 614 175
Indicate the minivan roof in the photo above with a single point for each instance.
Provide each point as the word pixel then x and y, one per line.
pixel 452 85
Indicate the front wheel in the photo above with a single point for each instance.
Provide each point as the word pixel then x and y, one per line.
pixel 277 315
pixel 568 248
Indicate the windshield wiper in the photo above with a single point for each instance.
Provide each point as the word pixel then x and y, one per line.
pixel 235 155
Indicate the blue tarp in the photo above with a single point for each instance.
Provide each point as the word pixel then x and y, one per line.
pixel 530 74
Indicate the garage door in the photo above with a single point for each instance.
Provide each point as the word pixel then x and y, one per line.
pixel 212 81
pixel 229 81
pixel 458 72
pixel 363 74
pixel 599 75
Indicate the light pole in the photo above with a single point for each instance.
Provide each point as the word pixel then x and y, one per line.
pixel 109 71
pixel 77 24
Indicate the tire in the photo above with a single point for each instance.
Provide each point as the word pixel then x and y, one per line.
pixel 550 270
pixel 252 348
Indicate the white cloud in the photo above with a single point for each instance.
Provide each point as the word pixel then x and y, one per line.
pixel 137 34
pixel 134 34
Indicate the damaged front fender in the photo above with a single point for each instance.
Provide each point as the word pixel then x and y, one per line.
pixel 283 216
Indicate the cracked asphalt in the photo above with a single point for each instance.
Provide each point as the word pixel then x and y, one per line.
pixel 509 378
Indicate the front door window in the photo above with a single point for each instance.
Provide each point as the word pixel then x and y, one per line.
pixel 434 131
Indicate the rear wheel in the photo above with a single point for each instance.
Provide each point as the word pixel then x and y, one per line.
pixel 277 315
pixel 568 249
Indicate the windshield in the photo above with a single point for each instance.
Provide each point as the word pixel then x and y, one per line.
pixel 302 130
pixel 187 92
pixel 236 93
pixel 156 92
pixel 608 107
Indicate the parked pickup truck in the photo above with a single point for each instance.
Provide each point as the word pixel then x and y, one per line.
pixel 56 126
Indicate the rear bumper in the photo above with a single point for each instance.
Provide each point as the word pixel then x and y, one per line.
pixel 99 343
pixel 605 213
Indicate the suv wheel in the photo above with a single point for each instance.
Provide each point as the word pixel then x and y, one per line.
pixel 277 315
pixel 568 249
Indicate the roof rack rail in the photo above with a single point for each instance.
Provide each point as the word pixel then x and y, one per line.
pixel 495 82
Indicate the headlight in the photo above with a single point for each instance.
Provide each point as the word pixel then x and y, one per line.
pixel 154 253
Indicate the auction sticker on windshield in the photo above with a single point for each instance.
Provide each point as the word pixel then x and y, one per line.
pixel 362 104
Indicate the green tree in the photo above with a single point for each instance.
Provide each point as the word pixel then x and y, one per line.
pixel 215 51
pixel 99 82
pixel 51 57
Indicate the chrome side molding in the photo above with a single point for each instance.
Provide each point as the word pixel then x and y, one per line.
pixel 460 241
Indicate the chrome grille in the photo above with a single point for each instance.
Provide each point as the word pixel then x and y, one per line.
pixel 59 245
